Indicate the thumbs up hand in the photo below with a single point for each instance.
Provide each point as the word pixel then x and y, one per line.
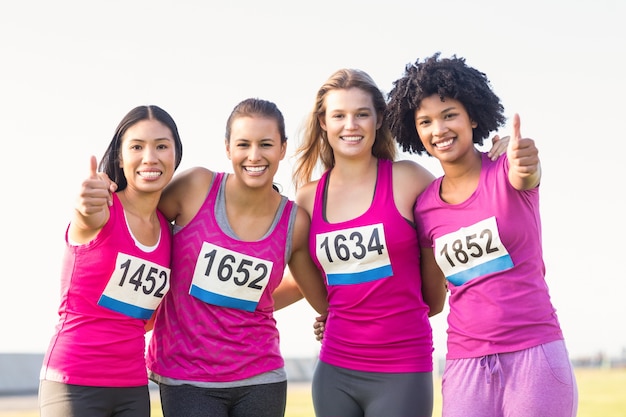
pixel 92 205
pixel 95 192
pixel 523 156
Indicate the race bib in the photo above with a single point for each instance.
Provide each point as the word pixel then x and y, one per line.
pixel 354 256
pixel 136 287
pixel 226 278
pixel 472 252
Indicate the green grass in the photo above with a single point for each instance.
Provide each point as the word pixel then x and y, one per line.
pixel 601 393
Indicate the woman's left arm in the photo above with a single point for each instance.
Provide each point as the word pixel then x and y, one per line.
pixel 434 285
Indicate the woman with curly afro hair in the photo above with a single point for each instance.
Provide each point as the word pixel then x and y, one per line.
pixel 479 228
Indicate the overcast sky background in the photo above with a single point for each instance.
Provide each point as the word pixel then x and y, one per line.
pixel 70 70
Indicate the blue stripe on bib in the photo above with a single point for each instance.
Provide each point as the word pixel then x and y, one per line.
pixel 221 300
pixel 499 264
pixel 360 277
pixel 124 308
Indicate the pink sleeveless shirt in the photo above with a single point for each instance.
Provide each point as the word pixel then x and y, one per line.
pixel 109 287
pixel 489 248
pixel 216 324
pixel 378 321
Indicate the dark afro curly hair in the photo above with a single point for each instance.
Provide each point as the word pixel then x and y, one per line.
pixel 446 77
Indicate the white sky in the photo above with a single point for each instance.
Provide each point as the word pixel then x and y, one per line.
pixel 70 70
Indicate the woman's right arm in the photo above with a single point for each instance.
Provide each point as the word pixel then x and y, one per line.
pixel 301 266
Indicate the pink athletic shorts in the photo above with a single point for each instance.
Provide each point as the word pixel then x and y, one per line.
pixel 534 382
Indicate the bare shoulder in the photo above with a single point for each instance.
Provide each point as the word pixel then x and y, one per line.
pixel 301 228
pixel 408 167
pixel 409 172
pixel 303 220
pixel 305 196
pixel 410 179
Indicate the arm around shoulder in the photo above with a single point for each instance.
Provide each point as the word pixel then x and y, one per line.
pixel 184 195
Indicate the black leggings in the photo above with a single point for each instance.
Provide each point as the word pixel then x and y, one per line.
pixel 64 400
pixel 264 400
pixel 347 393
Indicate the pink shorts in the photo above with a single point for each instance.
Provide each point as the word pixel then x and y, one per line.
pixel 534 382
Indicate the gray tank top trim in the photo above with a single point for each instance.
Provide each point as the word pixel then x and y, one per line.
pixel 222 220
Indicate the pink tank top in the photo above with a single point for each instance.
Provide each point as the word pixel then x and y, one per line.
pixel 489 248
pixel 108 288
pixel 216 324
pixel 378 321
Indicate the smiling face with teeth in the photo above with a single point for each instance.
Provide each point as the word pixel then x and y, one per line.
pixel 255 148
pixel 444 127
pixel 350 121
pixel 148 155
